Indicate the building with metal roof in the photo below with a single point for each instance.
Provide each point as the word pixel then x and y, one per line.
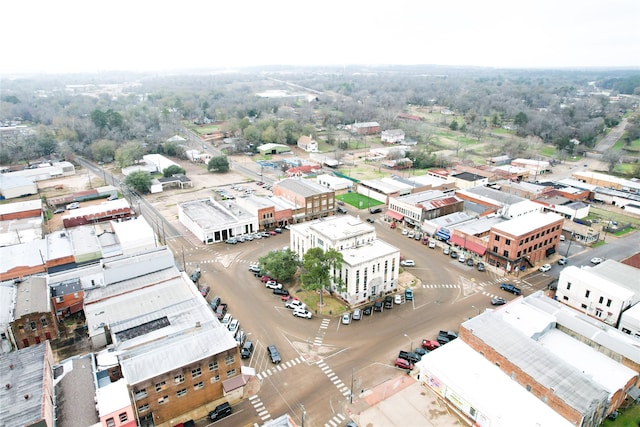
pixel 314 200
pixel 212 221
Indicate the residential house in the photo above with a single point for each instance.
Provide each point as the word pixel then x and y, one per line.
pixel 67 298
pixel 308 144
pixel 392 136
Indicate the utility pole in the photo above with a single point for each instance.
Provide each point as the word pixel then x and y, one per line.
pixel 351 395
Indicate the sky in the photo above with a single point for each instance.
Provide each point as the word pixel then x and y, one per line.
pixel 67 36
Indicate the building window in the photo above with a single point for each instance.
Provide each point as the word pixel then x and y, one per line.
pixel 586 294
pixel 123 417
pixel 528 387
pixel 32 325
pixel 584 306
pixel 143 408
pixel 231 372
pixel 519 253
pixel 505 253
pixel 608 303
pixel 198 385
pixel 160 386
pixel 566 298
pixel 216 378
pixel 526 240
pixel 229 360
pixel 601 300
pixel 521 242
pixel 59 299
pixel 182 392
pixel 111 422
pixel 568 285
pixel 495 249
pixel 497 239
pixel 195 373
pixel 599 313
pixel 163 400
pixel 357 281
pixel 44 322
pixel 178 379
pixel 140 394
pixel 213 365
pixel 508 242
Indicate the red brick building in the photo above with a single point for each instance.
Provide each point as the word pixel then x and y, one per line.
pixel 524 241
pixel 313 201
pixel 67 298
pixel 33 320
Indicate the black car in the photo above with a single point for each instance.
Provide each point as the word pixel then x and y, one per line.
pixel 411 357
pixel 510 288
pixel 377 306
pixel 420 351
pixel 220 411
pixel 247 348
pixel 470 262
pixel 367 310
pixel 375 210
pixel 371 220
pixel 388 301
pixel 273 354
pixel 480 266
pixel 282 291
pixel 453 254
pixel 446 336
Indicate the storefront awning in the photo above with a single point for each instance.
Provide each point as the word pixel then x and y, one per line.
pixel 394 215
pixel 468 244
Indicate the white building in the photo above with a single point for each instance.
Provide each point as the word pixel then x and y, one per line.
pixel 211 222
pixel 603 291
pixel 392 136
pixel 630 321
pixel 370 267
pixel 333 182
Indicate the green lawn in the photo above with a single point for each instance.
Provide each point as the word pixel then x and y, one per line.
pixel 627 418
pixel 202 130
pixel 548 150
pixel 597 212
pixel 358 200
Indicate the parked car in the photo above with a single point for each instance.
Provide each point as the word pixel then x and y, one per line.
pixel 544 268
pixel 231 241
pixel 234 326
pixel 563 261
pixel 215 302
pixel 273 354
pixel 453 254
pixel 247 349
pixel 195 276
pixel 377 306
pixel 281 291
pixel 240 337
pixel 562 238
pixel 375 210
pixel 295 303
pixel 58 211
pixel 74 205
pixel 404 364
pixel 254 268
pixel 410 356
pixel 432 244
pixel 367 311
pixel 370 220
pixel 408 263
pixel 596 260
pixel 480 266
pixel 446 250
pixel 388 301
pixel 357 314
pixel 420 351
pixel 397 299
pixel 346 318
pixel 278 230
pixel 265 279
pixel 461 258
pixel 341 210
pixel 498 301
pixel 470 262
pixel 411 235
pixel 226 320
pixel 221 311
pixel 408 294
pixel 302 312
pixel 272 284
pixel 220 411
pixel 510 288
pixel 204 290
pixel 430 344
pixel 446 336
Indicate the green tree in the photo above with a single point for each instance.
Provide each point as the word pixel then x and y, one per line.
pixel 139 181
pixel 280 264
pixel 319 270
pixel 173 170
pixel 218 164
pixel 129 153
pixel 251 133
pixel 269 135
pixel 521 119
pixel 612 157
pixel 453 125
pixel 103 150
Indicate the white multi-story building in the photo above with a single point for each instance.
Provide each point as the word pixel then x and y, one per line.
pixel 370 267
pixel 603 291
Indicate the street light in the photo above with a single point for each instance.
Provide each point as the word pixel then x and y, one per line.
pixel 304 412
pixel 410 342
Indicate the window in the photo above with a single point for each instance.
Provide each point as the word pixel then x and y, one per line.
pixel 521 242
pixel 566 298
pixel 568 285
pixel 519 252
pixel 198 385
pixel 32 325
pixel 111 422
pixel 216 378
pixel 505 253
pixel 182 392
pixel 123 417
pixel 213 365
pixel 508 242
pixel 43 321
pixel 59 299
pixel 195 373
pixel 584 306
pixel 163 400
pixel 178 379
pixel 608 303
pixel 76 295
pixel 586 294
pixel 231 372
pixel 495 249
pixel 526 240
pixel 528 387
pixel 599 314
pixel 143 408
pixel 140 394
pixel 229 360
pixel 497 239
pixel 160 386
pixel 600 300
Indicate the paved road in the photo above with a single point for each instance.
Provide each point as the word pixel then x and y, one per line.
pixel 611 138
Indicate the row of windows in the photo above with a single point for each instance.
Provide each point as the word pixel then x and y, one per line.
pixel 123 419
pixel 526 240
pixel 588 292
pixel 536 246
pixel 33 325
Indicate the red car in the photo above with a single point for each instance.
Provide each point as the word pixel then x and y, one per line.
pixel 430 344
pixel 265 279
pixel 403 364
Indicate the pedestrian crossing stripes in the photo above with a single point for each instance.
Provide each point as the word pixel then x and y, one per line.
pixel 333 378
pixel 325 323
pixel 279 368
pixel 259 407
pixel 337 420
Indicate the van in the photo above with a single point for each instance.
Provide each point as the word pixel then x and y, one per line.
pixel 375 210
pixel 220 411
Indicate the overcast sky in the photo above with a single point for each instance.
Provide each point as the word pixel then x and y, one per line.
pixel 141 35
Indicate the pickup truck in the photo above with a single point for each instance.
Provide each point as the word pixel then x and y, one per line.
pixel 410 356
pixel 446 336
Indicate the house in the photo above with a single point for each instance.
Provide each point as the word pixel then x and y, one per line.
pixel 392 136
pixel 371 266
pixel 465 180
pixel 535 167
pixel 106 211
pixel 523 241
pixel 67 298
pixel 308 144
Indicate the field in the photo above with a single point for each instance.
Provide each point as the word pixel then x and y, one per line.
pixel 358 200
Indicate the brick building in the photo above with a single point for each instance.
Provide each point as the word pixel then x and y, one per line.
pixel 34 321
pixel 67 298
pixel 523 241
pixel 312 200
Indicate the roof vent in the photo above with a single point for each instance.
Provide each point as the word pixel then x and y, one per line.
pixel 11 366
pixel 7 386
pixel 26 397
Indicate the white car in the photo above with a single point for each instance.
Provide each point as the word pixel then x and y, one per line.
pixel 233 326
pixel 346 318
pixel 596 260
pixel 226 320
pixel 302 312
pixel 254 267
pixel 272 284
pixel 295 304
pixel 432 244
pixel 408 263
pixel 405 232
pixel 545 268
pixel 411 235
pixel 397 299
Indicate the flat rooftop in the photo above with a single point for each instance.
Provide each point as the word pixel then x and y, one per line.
pixel 210 214
pixel 525 223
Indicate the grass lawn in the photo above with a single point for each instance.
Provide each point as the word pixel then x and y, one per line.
pixel 629 417
pixel 331 305
pixel 201 130
pixel 597 212
pixel 624 168
pixel 548 151
pixel 358 200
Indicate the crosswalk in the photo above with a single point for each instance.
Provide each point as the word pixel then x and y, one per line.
pixel 342 388
pixel 279 368
pixel 261 410
pixel 335 421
